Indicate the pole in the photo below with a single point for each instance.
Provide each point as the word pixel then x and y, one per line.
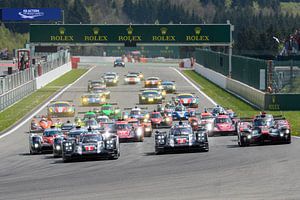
pixel 230 50
pixel 63 16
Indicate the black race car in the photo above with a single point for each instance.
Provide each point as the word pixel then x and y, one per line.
pixel 119 63
pixel 181 137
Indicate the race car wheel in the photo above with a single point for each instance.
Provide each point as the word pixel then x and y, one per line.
pixel 244 141
pixel 206 148
pixel 66 159
pixel 159 151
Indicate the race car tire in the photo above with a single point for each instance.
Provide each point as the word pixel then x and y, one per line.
pixel 206 148
pixel 66 159
pixel 244 141
pixel 159 151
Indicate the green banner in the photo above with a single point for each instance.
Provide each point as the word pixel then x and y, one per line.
pixel 167 34
pixel 282 102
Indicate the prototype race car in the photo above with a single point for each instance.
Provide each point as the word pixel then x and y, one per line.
pixel 146 123
pixel 73 134
pixel 126 132
pixel 44 143
pixel 159 121
pixel 39 124
pixel 61 109
pixel 91 144
pixel 96 83
pixel 92 99
pixel 111 78
pixel 223 125
pixel 152 82
pixel 168 86
pixel 263 129
pixel 187 99
pixel 132 79
pixel 180 112
pixel 119 63
pixel 67 126
pixel 150 97
pixel 181 137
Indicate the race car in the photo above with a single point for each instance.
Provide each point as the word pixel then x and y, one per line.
pixel 110 111
pixel 126 132
pixel 215 111
pixel 160 90
pixel 137 112
pixel 44 143
pixel 147 125
pixel 159 121
pixel 40 123
pixel 168 86
pixel 92 99
pixel 61 109
pixel 102 92
pixel 132 79
pixel 73 134
pixel 138 126
pixel 181 137
pixel 263 129
pixel 91 144
pixel 223 125
pixel 180 113
pixel 139 74
pixel 96 83
pixel 119 63
pixel 207 121
pixel 111 78
pixel 150 97
pixel 152 82
pixel 67 126
pixel 102 119
pixel 187 99
pixel 91 123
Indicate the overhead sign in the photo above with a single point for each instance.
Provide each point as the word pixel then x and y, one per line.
pixel 31 14
pixel 150 34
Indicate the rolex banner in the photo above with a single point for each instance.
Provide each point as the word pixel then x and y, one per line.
pixel 179 33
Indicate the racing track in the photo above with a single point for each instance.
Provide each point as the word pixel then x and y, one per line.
pixel 226 172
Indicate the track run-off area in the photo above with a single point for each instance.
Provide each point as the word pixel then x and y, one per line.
pixel 227 171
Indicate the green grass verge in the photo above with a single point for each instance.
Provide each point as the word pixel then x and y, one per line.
pixel 14 113
pixel 226 99
pixel 290 8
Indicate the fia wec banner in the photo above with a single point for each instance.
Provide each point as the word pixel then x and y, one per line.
pixel 31 14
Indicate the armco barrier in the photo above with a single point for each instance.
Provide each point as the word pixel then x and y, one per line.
pixel 43 80
pixel 16 94
pixel 211 75
pixel 250 94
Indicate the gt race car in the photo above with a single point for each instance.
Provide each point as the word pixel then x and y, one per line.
pixel 102 92
pixel 181 137
pixel 150 97
pixel 187 99
pixel 152 82
pixel 93 99
pixel 111 78
pixel 61 109
pixel 159 121
pixel 96 83
pixel 119 63
pixel 132 79
pixel 168 86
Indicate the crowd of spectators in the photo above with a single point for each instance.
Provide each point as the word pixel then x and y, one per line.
pixel 291 44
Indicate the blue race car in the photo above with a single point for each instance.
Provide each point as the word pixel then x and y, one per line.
pixel 180 112
pixel 93 99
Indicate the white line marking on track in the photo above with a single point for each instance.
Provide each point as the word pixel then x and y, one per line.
pixel 196 87
pixel 296 137
pixel 42 107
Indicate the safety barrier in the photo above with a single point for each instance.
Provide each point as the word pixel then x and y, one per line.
pixel 16 94
pixel 211 75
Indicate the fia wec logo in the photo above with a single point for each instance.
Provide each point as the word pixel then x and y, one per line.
pixel 30 13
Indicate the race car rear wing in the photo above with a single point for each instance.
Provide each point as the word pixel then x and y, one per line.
pixel 142 108
pixel 245 119
pixel 279 117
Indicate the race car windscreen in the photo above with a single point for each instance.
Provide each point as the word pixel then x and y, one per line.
pixel 263 122
pixel 150 93
pixel 185 96
pixel 122 126
pixel 179 108
pixel 91 122
pixel 182 132
pixel 153 79
pixel 106 108
pixel 74 134
pixel 167 83
pixel 60 105
pixel 223 120
pixel 51 133
pixel 91 139
pixel 135 112
pixel 155 115
pixel 131 76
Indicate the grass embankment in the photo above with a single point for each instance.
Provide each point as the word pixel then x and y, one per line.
pixel 290 8
pixel 226 99
pixel 14 113
pixel 12 40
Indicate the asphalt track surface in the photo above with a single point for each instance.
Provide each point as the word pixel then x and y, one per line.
pixel 225 172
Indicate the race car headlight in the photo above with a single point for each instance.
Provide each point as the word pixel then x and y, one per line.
pixel 71 109
pixel 147 129
pixel 147 116
pixel 194 123
pixel 103 99
pixel 287 131
pixel 78 149
pixel 36 145
pixel 159 97
pixel 68 144
pixel 50 109
pixel 143 98
pixel 106 134
pixel 147 82
pixel 167 119
pixel 139 132
pixel 163 92
pixel 249 136
pixel 281 134
pixel 57 147
pixel 174 87
pixel 114 80
pixel 209 127
pixel 84 100
pixel 160 87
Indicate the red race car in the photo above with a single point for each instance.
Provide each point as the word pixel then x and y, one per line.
pixel 127 132
pixel 223 125
pixel 159 120
pixel 39 124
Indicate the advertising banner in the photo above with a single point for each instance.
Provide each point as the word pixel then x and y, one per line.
pixel 31 14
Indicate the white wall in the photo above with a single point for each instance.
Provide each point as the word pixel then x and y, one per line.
pixel 215 77
pixel 46 78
